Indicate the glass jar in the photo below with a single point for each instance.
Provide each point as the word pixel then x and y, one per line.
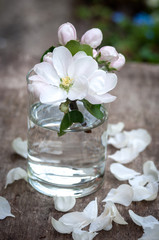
pixel 72 164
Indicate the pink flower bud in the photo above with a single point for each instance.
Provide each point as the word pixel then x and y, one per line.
pixel 48 58
pixel 66 32
pixel 119 63
pixel 92 37
pixel 108 54
pixel 95 53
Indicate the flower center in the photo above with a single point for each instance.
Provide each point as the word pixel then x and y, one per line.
pixel 66 83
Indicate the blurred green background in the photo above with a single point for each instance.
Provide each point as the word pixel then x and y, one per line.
pixel 132 27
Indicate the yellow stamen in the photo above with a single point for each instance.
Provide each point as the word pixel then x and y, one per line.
pixel 66 81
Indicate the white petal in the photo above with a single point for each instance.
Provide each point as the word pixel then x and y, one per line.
pixel 150 233
pixel 121 172
pixel 79 89
pixel 125 155
pixel 78 234
pixel 138 139
pixel 98 99
pixel 64 203
pixel 62 58
pixel 16 174
pixel 122 195
pixel 113 129
pixel 5 209
pixel 104 138
pixel 51 94
pixel 61 227
pixel 148 221
pixel 148 193
pixel 20 147
pixel 101 82
pixel 116 216
pixel 47 73
pixel 84 66
pixel 75 219
pixel 79 55
pixel 119 140
pixel 139 181
pixel 91 210
pixel 150 170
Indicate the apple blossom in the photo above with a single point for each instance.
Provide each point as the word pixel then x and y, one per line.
pixel 118 63
pixel 108 54
pixel 66 32
pixel 95 53
pixel 72 77
pixel 48 57
pixel 92 37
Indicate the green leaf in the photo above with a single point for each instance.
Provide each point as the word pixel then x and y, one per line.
pixel 69 118
pixel 94 109
pixel 49 50
pixel 74 47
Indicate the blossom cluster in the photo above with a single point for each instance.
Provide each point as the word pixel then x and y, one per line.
pixel 72 72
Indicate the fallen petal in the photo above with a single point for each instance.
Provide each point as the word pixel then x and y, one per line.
pixel 75 219
pixel 20 147
pixel 138 139
pixel 79 234
pixel 141 180
pixel 122 195
pixel 64 203
pixel 16 174
pixel 113 129
pixel 148 193
pixel 61 227
pixel 116 216
pixel 125 155
pixel 144 222
pixel 91 210
pixel 121 172
pixel 150 233
pixel 5 209
pixel 119 140
pixel 150 170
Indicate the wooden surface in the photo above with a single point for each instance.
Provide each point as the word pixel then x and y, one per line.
pixel 26 30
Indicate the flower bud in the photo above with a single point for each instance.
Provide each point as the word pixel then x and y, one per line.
pixel 92 37
pixel 48 57
pixel 119 63
pixel 108 54
pixel 66 32
pixel 95 53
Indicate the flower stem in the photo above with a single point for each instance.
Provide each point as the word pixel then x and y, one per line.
pixel 73 105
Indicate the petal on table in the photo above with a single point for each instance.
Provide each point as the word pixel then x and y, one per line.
pixel 116 216
pixel 91 210
pixel 121 172
pixel 138 139
pixel 64 203
pixel 5 209
pixel 148 221
pixel 20 147
pixel 150 233
pixel 113 129
pixel 47 73
pixel 139 181
pixel 62 58
pixel 125 155
pixel 150 170
pixel 122 195
pixel 148 193
pixel 79 234
pixel 119 140
pixel 61 227
pixel 16 174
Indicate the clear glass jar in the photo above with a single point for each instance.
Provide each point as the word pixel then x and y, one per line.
pixel 72 164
